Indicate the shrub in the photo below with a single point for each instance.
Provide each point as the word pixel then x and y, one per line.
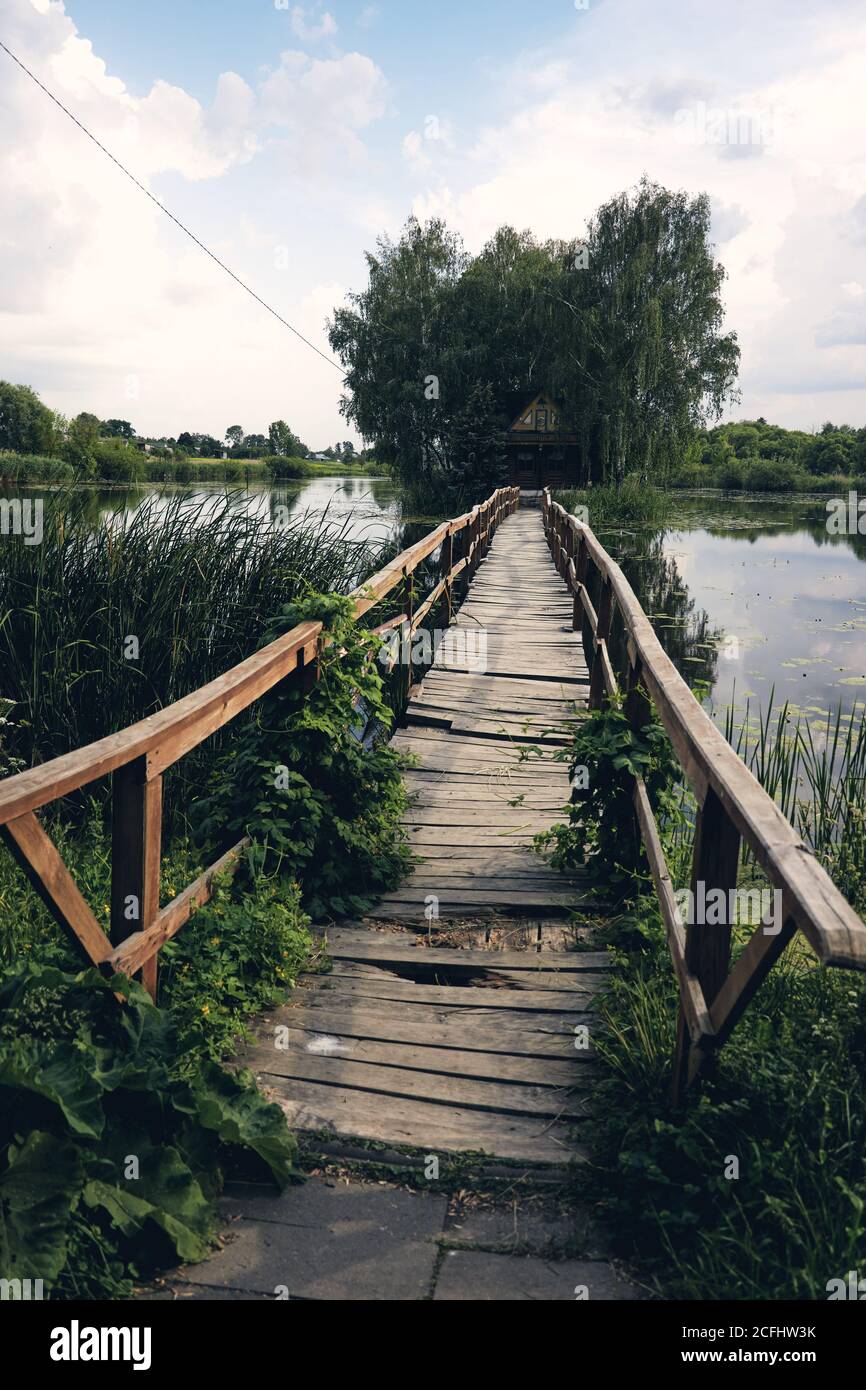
pixel 109 1159
pixel 729 474
pixel 601 832
pixel 238 955
pixel 280 467
pixel 301 781
pixel 117 462
pixel 771 475
pixel 36 468
pixel 689 474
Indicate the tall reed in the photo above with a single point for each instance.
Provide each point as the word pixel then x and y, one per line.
pixel 110 619
pixel 816 772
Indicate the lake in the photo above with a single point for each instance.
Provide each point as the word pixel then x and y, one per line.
pixel 749 595
pixel 755 596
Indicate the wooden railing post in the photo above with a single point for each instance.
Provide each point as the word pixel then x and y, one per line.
pixel 708 945
pixel 580 575
pixel 447 566
pixel 309 668
pixel 638 710
pixel 409 606
pixel 136 841
pixel 602 631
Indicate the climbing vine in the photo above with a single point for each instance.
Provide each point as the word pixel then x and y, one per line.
pixel 310 777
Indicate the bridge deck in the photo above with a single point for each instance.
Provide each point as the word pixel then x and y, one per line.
pixel 484 727
pixel 457 1032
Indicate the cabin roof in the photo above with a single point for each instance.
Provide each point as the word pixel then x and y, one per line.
pixel 521 408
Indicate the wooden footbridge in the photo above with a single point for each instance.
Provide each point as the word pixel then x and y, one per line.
pixel 450 1020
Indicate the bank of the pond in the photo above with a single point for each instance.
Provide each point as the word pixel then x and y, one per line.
pixel 756 1187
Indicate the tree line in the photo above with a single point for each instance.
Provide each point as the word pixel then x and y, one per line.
pixel 110 448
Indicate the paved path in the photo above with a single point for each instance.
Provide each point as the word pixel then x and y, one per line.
pixel 345 1239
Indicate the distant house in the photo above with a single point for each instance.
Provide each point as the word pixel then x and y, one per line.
pixel 538 452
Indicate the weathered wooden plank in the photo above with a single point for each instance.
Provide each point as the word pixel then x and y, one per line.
pixel 527 1035
pixel 552 1071
pixel 415 1123
pixel 495 1097
pixel 345 943
pixel 570 1000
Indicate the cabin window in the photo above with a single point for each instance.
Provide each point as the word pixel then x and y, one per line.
pixel 541 419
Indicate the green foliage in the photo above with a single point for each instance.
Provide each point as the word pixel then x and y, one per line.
pixel 34 468
pixel 816 772
pixel 634 502
pixel 601 832
pixel 239 954
pixel 283 442
pixel 117 461
pixel 104 1143
pixel 788 1101
pixel 299 779
pixel 759 457
pixel 623 326
pixel 26 425
pixel 8 764
pixel 193 581
pixel 281 467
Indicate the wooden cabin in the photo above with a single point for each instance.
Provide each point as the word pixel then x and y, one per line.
pixel 538 453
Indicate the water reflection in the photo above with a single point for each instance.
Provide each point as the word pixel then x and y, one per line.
pixel 759 596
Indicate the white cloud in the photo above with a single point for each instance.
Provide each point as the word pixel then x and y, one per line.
pixel 309 29
pixel 104 305
pixel 789 221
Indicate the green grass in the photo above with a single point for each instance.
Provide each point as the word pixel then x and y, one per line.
pixel 764 475
pixel 635 502
pixel 305 468
pixel 756 1189
pixel 33 468
pixel 816 772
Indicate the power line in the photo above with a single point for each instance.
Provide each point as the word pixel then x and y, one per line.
pixel 163 208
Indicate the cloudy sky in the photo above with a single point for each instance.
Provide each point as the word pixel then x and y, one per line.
pixel 289 136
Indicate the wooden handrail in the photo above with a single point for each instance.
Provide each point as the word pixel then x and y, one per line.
pixel 732 806
pixel 139 755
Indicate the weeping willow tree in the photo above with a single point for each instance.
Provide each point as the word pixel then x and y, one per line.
pixel 657 360
pixel 623 325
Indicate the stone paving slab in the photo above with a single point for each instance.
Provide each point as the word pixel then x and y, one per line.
pixel 477 1276
pixel 518 1228
pixel 324 1240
